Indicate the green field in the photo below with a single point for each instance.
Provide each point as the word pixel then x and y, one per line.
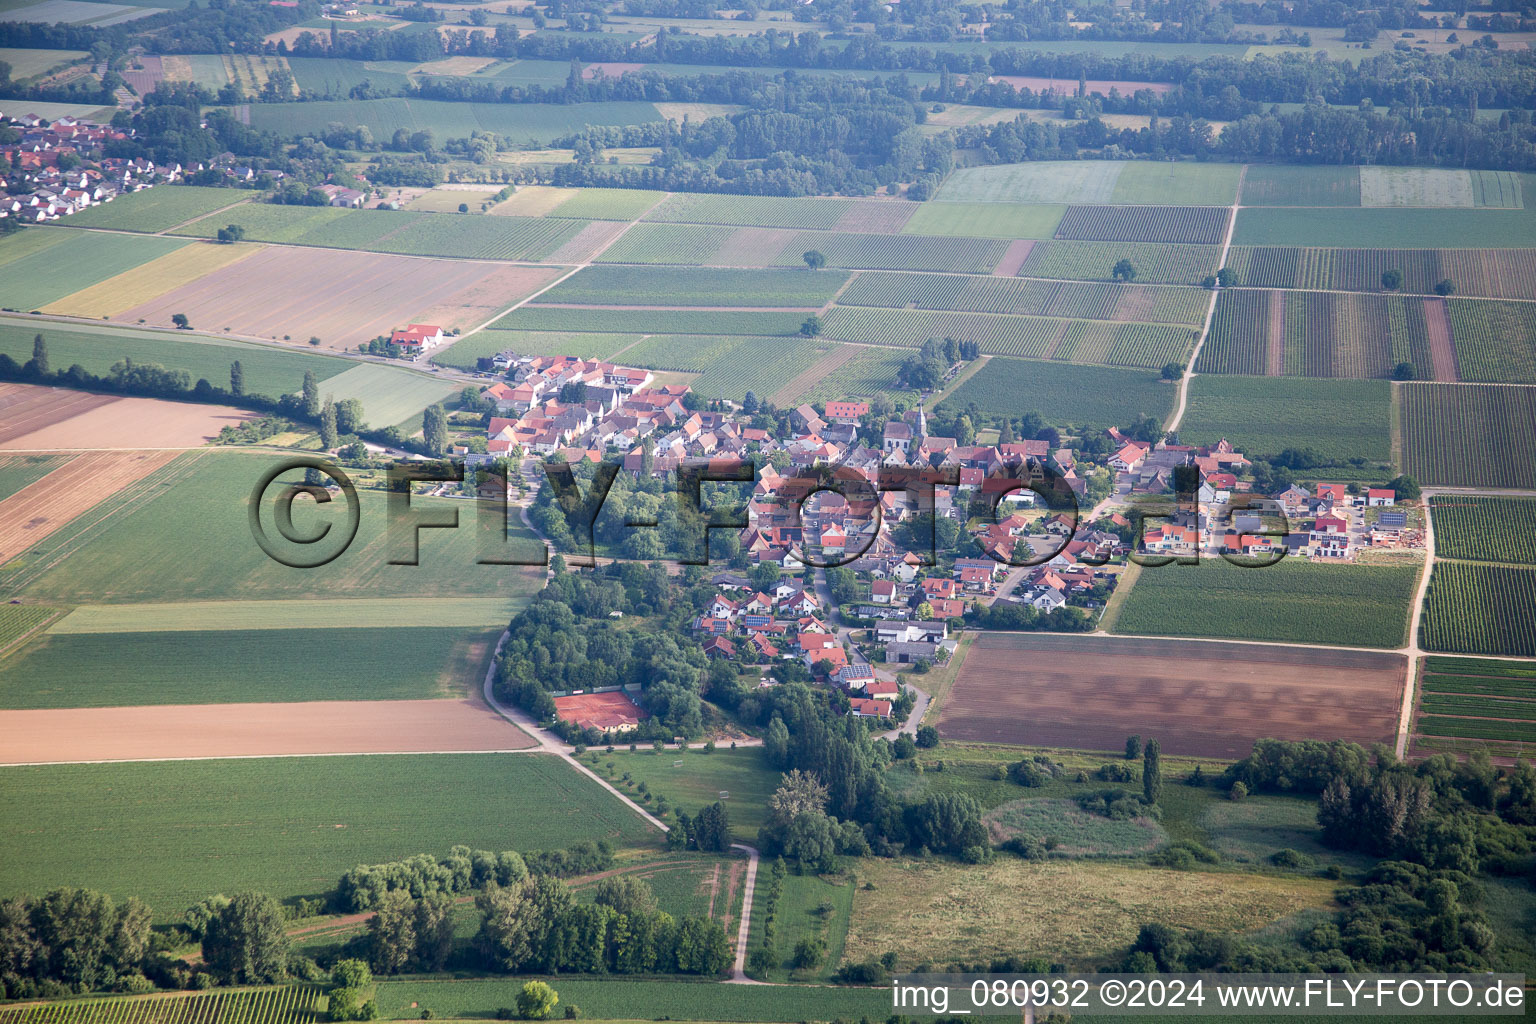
pixel 79 260
pixel 673 286
pixel 1309 185
pixel 869 371
pixel 339 613
pixel 744 774
pixel 623 999
pixel 1339 419
pixel 1495 341
pixel 271 222
pixel 515 122
pixel 186 536
pixel 269 369
pixel 1496 273
pixel 156 209
pixel 808 907
pixel 1062 393
pixel 172 833
pixel 1457 435
pixel 17 620
pixel 1062 181
pixel 1481 609
pixel 1482 529
pixel 668 243
pixel 327 76
pixel 30 63
pixel 1177 183
pixel 985 220
pixel 1190 225
pixel 1095 261
pixel 896 252
pixel 484 344
pixel 290 1004
pixel 389 394
pixel 1028 296
pixel 750 211
pixel 1293 601
pixel 1385 228
pixel 1467 703
pixel 17 471
pixel 558 319
pixel 607 203
pixel 241 666
pixel 729 365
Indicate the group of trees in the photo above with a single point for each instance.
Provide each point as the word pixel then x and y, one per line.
pixel 365 886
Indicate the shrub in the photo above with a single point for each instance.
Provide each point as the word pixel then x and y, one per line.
pixel 1289 858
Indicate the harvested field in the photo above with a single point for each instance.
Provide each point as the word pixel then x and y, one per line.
pixel 1013 260
pixel 1092 692
pixel 474 305
pixel 344 298
pixel 50 418
pixel 533 201
pixel 254 730
pixel 25 408
pixel 40 508
pixel 151 280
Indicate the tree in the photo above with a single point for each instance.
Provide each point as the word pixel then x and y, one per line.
pixel 1226 277
pixel 776 743
pixel 1132 747
pixel 1406 487
pixel 181 322
pixel 231 233
pixel 347 999
pixel 812 326
pixel 349 415
pixel 814 259
pixel 1124 270
pixel 1405 371
pixel 245 943
pixel 749 403
pixel 329 438
pixel 311 395
pixel 39 361
pixel 1445 287
pixel 927 736
pixel 236 378
pixel 1173 371
pixel 536 1001
pixel 1152 771
pixel 1391 280
pixel 464 207
pixel 1208 281
pixel 626 894
pixel 434 429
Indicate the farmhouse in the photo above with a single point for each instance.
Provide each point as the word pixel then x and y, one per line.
pixel 415 339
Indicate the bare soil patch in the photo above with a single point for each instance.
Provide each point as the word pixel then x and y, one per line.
pixel 1013 259
pixel 46 505
pixel 342 297
pixel 1442 348
pixel 26 408
pixel 1275 340
pixel 254 730
pixel 472 306
pixel 584 244
pixel 1135 304
pixel 753 247
pixel 1199 698
pixel 123 424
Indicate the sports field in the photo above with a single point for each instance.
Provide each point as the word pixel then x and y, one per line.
pixel 173 833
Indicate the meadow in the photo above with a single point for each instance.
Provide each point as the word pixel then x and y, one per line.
pixel 172 833
pixel 1481 609
pixel 1063 393
pixel 809 906
pixel 1154 182
pixel 985 220
pixel 156 209
pixel 390 394
pixel 1293 601
pixel 1340 420
pixel 672 286
pixel 27 63
pixel 238 666
pixel 1484 529
pixel 187 537
pixel 1385 228
pixel 742 773
pixel 1457 435
pixel 269 369
pixel 78 260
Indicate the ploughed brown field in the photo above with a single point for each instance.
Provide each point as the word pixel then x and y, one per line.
pixel 1198 697
pixel 343 298
pixel 170 732
pixel 40 418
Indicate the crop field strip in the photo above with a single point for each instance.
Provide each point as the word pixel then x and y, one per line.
pixel 157 209
pixel 1508 273
pixel 1186 225
pixel 964 293
pixel 551 318
pixel 1095 261
pixel 466 352
pixel 1310 185
pixel 150 280
pixel 1485 529
pixel 896 252
pixel 674 286
pixel 1470 703
pixel 288 1004
pixel 1384 228
pixel 80 259
pixel 750 211
pixel 1459 435
pixel 1063 393
pixel 1472 608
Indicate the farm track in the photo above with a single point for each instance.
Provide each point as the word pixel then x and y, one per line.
pixel 1210 313
pixel 1442 345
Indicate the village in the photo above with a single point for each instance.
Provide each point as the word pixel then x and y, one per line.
pixel 1004 545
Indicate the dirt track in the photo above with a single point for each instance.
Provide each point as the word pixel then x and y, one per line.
pixel 172 732
pixel 1205 699
pixel 45 505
